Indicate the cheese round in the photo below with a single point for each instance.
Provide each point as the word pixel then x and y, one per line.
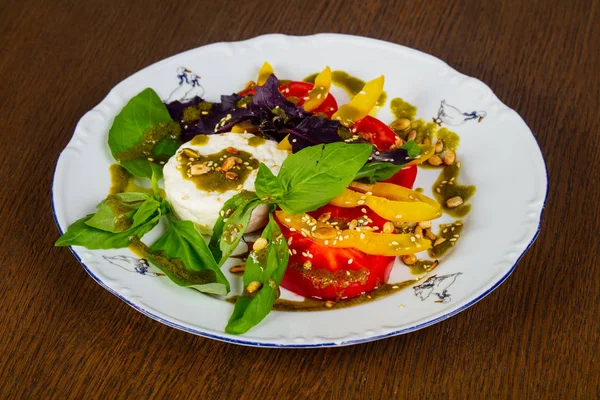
pixel 202 207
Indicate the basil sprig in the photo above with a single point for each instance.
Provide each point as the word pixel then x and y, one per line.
pixel 307 180
pixel 313 176
pixel 264 271
pixel 119 218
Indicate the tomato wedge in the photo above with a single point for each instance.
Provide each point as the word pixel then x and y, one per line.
pixel 377 133
pixel 405 177
pixel 318 271
pixel 297 91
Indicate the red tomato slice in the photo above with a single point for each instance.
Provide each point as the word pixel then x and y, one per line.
pixel 377 133
pixel 299 90
pixel 405 177
pixel 334 273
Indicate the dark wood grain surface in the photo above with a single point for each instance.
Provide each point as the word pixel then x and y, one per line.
pixel 63 336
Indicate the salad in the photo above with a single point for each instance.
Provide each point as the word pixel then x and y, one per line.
pixel 320 193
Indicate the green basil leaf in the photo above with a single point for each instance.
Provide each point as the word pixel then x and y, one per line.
pixel 182 241
pixel 232 224
pixel 141 124
pixel 81 234
pixel 139 114
pixel 412 148
pixel 116 211
pixel 166 147
pixel 267 267
pixel 377 171
pixel 267 185
pixel 317 174
pixel 145 211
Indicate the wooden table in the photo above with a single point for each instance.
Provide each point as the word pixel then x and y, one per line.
pixel 62 335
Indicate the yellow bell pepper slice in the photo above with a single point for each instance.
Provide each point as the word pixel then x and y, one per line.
pixel 427 150
pixel 380 244
pixel 285 144
pixel 317 95
pixel 361 104
pixel 389 201
pixel 263 74
pixel 244 127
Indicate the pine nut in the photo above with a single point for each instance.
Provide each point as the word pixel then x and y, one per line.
pixel 237 268
pixel 325 217
pixel 260 244
pixel 253 286
pixel 435 160
pixel 412 135
pixel 454 202
pixel 449 158
pixel 439 146
pixel 409 259
pixel 430 235
pixel 401 124
pixel 389 227
pixel 231 176
pixel 199 169
pixel 425 224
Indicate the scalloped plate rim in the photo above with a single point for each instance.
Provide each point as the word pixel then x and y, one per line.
pixel 270 344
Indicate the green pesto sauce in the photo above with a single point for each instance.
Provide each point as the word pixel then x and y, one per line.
pixel 121 211
pixel 216 180
pixel 424 130
pixel 172 267
pixel 199 140
pixel 193 113
pixel 403 109
pixel 152 137
pixel 450 139
pixel 450 232
pixel 123 181
pixel 308 304
pixel 256 141
pixel 421 267
pixel 447 186
pixel 350 84
pixel 322 278
pixel 419 190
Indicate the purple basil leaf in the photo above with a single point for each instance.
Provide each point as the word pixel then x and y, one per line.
pixel 397 156
pixel 269 97
pixel 313 130
pixel 176 107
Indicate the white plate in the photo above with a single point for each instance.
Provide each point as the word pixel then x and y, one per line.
pixel 499 155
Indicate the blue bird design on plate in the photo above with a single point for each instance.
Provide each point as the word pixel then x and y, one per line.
pixel 132 264
pixel 188 86
pixel 450 115
pixel 438 286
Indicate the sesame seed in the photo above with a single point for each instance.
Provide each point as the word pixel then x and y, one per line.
pixel 350 261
